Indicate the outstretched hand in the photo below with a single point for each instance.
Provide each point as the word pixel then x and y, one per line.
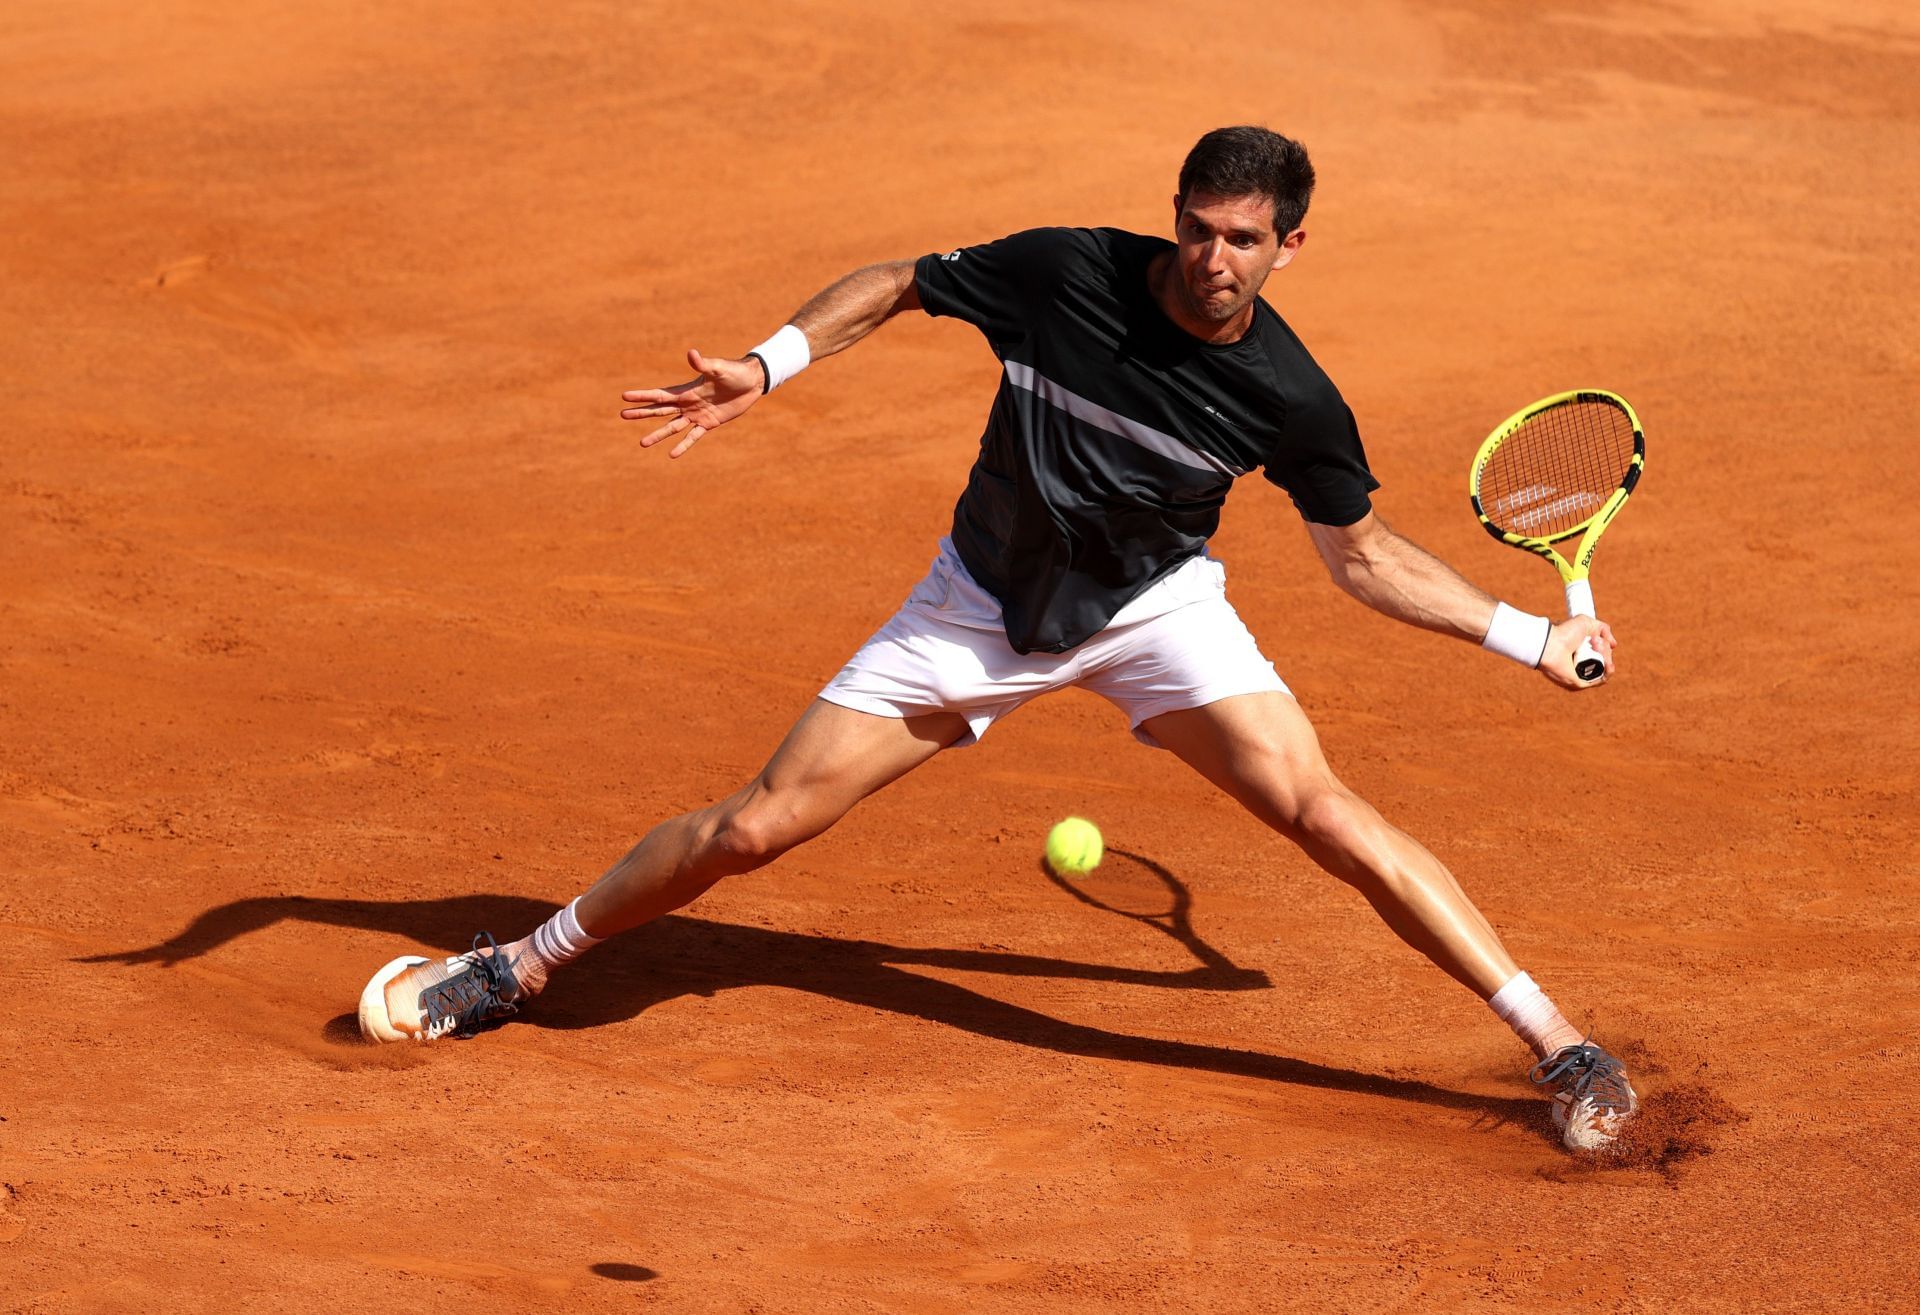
pixel 723 390
pixel 1556 664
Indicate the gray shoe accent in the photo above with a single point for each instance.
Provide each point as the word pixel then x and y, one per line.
pixel 481 992
pixel 1585 1072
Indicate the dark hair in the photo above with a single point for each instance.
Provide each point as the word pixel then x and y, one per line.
pixel 1249 161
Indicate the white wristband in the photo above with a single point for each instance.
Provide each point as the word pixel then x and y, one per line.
pixel 783 356
pixel 1519 635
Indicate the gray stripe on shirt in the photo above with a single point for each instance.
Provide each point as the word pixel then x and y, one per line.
pixel 1025 376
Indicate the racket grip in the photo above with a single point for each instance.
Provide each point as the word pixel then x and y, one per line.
pixel 1587 662
pixel 1580 598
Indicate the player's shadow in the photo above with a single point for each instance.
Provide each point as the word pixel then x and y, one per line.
pixel 679 955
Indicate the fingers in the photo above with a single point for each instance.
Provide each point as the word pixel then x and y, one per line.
pixel 678 425
pixel 681 427
pixel 651 402
pixel 1570 679
pixel 1600 635
pixel 679 404
pixel 1564 652
pixel 654 396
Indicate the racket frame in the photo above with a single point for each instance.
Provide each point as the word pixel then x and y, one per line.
pixel 1573 574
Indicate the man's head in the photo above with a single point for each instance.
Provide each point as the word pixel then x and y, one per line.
pixel 1252 162
pixel 1243 192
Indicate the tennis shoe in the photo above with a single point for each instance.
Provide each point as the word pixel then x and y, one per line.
pixel 416 999
pixel 1592 1099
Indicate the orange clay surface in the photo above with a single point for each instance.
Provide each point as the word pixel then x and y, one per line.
pixel 340 618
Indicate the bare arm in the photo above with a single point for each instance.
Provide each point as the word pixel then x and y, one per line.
pixel 846 311
pixel 726 388
pixel 1398 578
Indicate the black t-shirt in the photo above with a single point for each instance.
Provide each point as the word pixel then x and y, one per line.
pixel 1115 434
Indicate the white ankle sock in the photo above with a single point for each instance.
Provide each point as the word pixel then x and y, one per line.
pixel 560 939
pixel 1524 1007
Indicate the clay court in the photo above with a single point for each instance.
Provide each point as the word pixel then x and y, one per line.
pixel 340 618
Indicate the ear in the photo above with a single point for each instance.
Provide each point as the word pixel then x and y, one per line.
pixel 1289 246
pixel 1179 205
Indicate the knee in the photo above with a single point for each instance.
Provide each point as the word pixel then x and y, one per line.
pixel 1326 817
pixel 757 832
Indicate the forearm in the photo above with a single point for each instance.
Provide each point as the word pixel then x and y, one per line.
pixel 840 315
pixel 1398 578
pixel 1402 580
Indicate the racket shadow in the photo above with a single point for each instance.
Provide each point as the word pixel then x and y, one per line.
pixel 679 955
pixel 1176 921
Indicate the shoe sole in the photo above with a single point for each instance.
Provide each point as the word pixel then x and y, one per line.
pixel 376 1024
pixel 1584 1128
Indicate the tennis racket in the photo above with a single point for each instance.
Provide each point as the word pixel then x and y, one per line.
pixel 1561 467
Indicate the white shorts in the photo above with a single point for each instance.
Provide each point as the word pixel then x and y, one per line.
pixel 1178 645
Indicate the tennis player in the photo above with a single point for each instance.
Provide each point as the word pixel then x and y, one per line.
pixel 1140 378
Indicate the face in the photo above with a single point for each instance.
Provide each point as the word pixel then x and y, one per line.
pixel 1226 247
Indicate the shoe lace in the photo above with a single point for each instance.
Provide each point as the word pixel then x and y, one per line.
pixel 474 995
pixel 1585 1072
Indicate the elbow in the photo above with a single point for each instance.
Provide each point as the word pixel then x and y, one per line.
pixel 1359 557
pixel 1362 575
pixel 1351 574
pixel 906 289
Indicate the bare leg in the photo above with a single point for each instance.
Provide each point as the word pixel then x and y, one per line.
pixel 832 759
pixel 1261 749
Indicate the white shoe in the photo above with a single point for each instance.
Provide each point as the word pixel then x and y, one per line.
pixel 416 999
pixel 1592 1099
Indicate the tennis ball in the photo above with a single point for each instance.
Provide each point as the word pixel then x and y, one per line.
pixel 1074 847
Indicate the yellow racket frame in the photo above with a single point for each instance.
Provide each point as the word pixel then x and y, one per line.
pixel 1589 529
pixel 1587 663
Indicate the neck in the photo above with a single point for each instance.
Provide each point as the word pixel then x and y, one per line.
pixel 1163 280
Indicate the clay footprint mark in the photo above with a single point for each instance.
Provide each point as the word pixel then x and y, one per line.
pixel 240 299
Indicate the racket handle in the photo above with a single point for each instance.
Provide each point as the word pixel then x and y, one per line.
pixel 1587 662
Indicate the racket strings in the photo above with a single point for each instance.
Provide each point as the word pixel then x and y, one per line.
pixel 1557 469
